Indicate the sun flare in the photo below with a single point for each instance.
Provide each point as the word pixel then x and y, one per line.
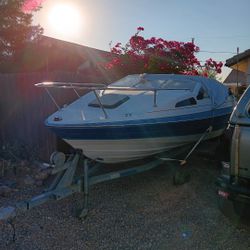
pixel 65 20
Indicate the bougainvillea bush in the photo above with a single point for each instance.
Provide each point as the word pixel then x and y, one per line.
pixel 156 55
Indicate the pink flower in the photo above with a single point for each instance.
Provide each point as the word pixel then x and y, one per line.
pixel 140 28
pixel 31 5
pixel 118 45
pixel 156 55
pixel 220 64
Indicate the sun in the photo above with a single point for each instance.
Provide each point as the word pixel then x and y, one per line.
pixel 65 20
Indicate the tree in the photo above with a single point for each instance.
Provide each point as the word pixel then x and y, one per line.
pixel 16 29
pixel 156 55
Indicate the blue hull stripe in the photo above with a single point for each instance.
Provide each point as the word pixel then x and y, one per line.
pixel 188 117
pixel 139 131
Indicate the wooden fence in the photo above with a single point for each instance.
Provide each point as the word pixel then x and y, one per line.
pixel 24 108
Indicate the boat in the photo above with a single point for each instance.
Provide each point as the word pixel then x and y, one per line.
pixel 140 115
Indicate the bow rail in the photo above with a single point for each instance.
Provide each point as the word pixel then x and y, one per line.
pixel 98 86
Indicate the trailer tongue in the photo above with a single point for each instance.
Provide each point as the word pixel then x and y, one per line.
pixel 67 183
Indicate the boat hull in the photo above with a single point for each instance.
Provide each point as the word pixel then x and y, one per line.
pixel 114 151
pixel 120 142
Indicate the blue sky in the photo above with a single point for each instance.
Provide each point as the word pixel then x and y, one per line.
pixel 216 25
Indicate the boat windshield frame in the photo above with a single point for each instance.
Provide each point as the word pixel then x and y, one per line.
pixel 98 86
pixel 140 82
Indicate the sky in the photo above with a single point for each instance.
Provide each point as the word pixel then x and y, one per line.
pixel 216 25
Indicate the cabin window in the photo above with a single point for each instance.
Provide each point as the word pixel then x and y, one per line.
pixel 186 102
pixel 109 101
pixel 202 94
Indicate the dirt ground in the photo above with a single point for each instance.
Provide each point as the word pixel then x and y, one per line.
pixel 144 211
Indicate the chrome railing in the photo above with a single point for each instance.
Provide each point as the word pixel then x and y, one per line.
pixel 97 86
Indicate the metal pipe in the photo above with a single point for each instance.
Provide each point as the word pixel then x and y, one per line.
pixel 125 172
pixel 100 103
pixel 237 73
pixel 86 177
pixel 84 211
pixel 75 91
pixel 99 87
pixel 53 99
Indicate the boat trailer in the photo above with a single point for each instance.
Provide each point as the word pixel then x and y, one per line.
pixel 66 182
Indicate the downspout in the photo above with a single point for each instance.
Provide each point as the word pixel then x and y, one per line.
pixel 248 72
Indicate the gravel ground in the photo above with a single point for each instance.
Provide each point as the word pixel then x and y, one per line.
pixel 144 211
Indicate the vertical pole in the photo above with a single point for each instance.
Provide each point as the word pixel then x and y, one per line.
pixel 155 102
pixel 248 73
pixel 237 73
pixel 53 99
pixel 100 104
pixel 193 44
pixel 47 65
pixel 86 189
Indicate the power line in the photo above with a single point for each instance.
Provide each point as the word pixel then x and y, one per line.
pixel 215 60
pixel 223 37
pixel 217 52
pixel 214 52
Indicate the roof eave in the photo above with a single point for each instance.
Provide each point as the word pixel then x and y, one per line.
pixel 236 59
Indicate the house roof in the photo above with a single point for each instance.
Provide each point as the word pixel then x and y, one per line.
pixel 235 77
pixel 50 54
pixel 236 59
pixel 82 49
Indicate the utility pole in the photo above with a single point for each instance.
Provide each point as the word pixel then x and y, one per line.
pixel 237 73
pixel 193 44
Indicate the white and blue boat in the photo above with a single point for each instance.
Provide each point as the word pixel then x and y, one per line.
pixel 141 115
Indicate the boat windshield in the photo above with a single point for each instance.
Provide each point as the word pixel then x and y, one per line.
pixel 128 81
pixel 137 81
